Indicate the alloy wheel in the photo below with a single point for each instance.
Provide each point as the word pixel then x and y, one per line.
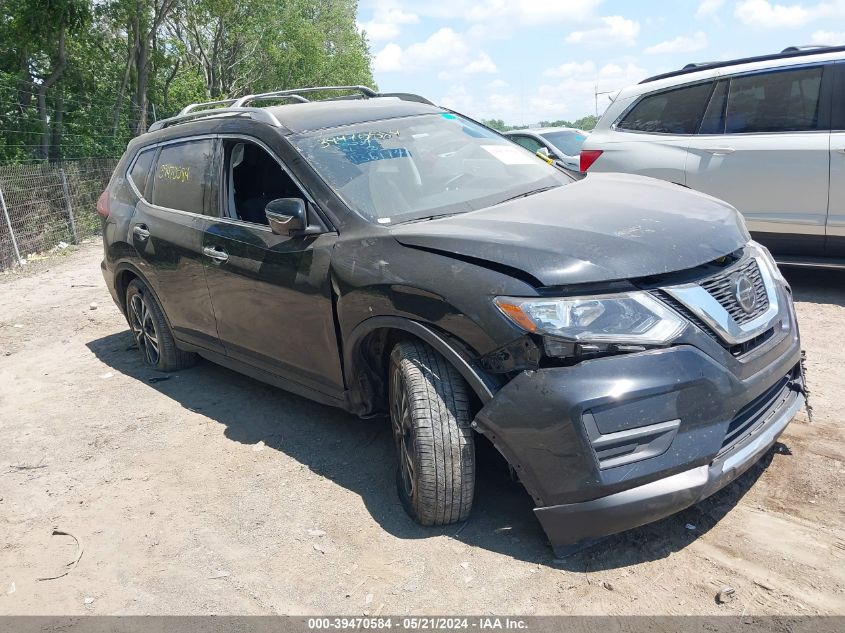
pixel 403 435
pixel 144 329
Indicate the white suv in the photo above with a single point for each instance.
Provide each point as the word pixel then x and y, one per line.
pixel 766 134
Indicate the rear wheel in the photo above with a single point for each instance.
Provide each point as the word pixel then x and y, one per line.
pixel 151 332
pixel 430 415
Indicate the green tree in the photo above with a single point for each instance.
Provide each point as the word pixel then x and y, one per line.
pixel 81 77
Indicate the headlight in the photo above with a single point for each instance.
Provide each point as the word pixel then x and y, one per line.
pixel 634 318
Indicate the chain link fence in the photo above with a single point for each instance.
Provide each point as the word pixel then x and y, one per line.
pixel 43 206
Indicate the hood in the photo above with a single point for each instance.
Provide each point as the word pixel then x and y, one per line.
pixel 602 228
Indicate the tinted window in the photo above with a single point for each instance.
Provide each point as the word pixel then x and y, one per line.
pixel 714 117
pixel 782 101
pixel 527 142
pixel 141 168
pixel 184 177
pixel 568 142
pixel 671 112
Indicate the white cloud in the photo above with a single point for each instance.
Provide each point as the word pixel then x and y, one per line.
pixel 532 12
pixel 569 93
pixel 521 12
pixel 386 23
pixel 479 65
pixel 445 49
pixel 388 59
pixel 832 38
pixel 496 84
pixel 616 30
pixel 765 14
pixel 680 44
pixel 709 8
pixel 570 69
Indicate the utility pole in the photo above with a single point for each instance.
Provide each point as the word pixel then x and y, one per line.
pixel 597 93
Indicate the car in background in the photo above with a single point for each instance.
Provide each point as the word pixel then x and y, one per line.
pixel 558 143
pixel 765 134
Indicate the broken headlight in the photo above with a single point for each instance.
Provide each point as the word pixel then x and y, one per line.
pixel 630 318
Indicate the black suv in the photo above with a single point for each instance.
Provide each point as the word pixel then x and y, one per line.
pixel 620 340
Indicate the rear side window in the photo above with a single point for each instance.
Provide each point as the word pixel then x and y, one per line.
pixel 781 101
pixel 184 177
pixel 141 168
pixel 672 112
pixel 527 142
pixel 568 142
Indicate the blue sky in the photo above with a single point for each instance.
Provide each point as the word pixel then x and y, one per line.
pixel 529 60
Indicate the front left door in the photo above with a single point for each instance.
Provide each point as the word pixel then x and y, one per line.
pixel 271 293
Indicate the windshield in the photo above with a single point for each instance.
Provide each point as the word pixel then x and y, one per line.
pixel 567 142
pixel 399 170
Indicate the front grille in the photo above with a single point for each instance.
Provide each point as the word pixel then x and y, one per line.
pixel 681 309
pixel 742 349
pixel 721 287
pixel 758 412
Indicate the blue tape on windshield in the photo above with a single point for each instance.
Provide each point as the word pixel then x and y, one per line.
pixel 364 148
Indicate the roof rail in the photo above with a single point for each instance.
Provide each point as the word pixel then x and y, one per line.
pixel 238 106
pixel 258 114
pixel 792 51
pixel 298 92
pixel 805 47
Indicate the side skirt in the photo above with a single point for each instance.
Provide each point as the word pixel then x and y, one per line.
pixel 333 400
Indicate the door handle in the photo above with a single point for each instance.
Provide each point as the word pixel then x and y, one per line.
pixel 141 231
pixel 721 151
pixel 215 253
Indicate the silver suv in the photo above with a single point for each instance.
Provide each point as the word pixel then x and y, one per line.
pixel 766 134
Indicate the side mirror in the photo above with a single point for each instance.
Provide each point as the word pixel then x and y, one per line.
pixel 286 216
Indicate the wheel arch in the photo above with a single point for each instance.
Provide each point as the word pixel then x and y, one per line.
pixel 124 273
pixel 367 350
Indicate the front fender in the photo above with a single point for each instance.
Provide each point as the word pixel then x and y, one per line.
pixel 482 384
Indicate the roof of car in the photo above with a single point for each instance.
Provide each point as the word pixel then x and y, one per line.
pixel 545 130
pixel 304 117
pixel 791 52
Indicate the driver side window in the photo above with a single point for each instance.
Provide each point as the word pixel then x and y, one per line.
pixel 253 179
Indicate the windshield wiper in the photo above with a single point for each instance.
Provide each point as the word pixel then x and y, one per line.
pixel 428 217
pixel 526 194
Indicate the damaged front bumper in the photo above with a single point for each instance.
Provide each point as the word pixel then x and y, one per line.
pixel 614 443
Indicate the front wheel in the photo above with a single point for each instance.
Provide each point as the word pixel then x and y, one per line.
pixel 430 415
pixel 151 332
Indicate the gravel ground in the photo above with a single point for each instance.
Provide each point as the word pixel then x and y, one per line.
pixel 209 492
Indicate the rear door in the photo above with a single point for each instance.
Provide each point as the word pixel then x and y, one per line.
pixel 271 293
pixel 167 231
pixel 652 136
pixel 763 146
pixel 835 243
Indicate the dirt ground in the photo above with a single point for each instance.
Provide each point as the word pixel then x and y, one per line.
pixel 211 493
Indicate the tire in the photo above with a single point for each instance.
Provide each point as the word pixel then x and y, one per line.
pixel 151 332
pixel 430 416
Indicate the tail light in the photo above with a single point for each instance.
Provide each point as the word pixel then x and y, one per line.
pixel 588 157
pixel 103 204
